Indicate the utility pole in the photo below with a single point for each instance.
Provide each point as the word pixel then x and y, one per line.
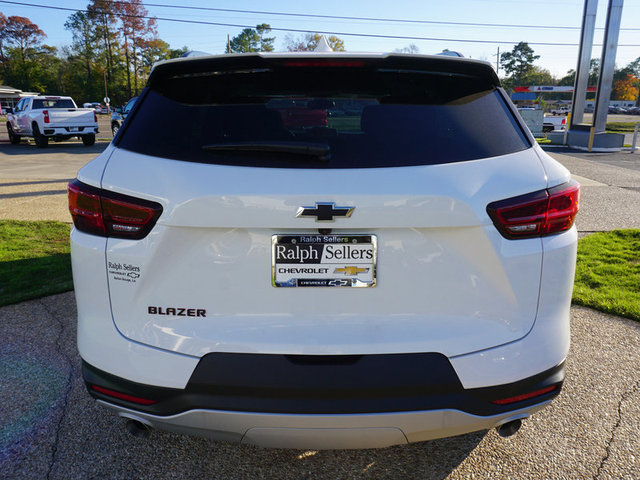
pixel 107 101
pixel 228 43
pixel 498 62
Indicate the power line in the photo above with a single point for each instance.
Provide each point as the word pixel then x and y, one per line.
pixel 344 34
pixel 368 19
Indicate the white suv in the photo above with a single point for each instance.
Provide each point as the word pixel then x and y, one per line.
pixel 323 251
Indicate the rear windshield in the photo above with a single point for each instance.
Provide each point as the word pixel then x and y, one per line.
pixel 53 103
pixel 323 118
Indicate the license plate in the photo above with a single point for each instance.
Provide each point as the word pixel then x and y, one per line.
pixel 73 129
pixel 317 260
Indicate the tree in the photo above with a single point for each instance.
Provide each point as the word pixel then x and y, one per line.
pixel 627 88
pixel 594 71
pixel 84 47
pixel 3 38
pixel 309 42
pixel 22 33
pixel 538 76
pixel 178 52
pixel 518 62
pixel 250 40
pixel 103 14
pixel 412 48
pixel 24 46
pixel 634 69
pixel 152 51
pixel 136 30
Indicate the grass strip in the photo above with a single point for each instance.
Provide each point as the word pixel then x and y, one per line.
pixel 34 260
pixel 608 273
pixel 621 127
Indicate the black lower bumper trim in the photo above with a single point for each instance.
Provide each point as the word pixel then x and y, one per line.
pixel 301 384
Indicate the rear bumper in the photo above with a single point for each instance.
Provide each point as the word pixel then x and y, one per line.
pixel 324 431
pixel 326 385
pixel 323 402
pixel 70 130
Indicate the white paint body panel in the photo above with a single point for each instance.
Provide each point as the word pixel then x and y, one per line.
pixel 447 281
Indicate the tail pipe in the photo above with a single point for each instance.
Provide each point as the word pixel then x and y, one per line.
pixel 510 428
pixel 137 427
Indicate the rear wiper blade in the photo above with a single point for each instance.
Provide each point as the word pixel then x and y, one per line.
pixel 319 151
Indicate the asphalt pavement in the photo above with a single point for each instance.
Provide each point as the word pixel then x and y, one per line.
pixel 50 428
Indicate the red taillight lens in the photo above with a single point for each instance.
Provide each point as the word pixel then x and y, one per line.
pixel 45 113
pixel 525 396
pixel 110 214
pixel 95 117
pixel 123 396
pixel 85 208
pixel 545 212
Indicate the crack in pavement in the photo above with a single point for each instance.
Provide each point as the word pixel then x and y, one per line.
pixel 634 388
pixel 54 448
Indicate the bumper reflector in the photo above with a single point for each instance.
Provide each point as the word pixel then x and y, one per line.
pixel 123 396
pixel 525 396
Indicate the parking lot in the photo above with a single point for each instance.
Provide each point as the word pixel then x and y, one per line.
pixel 50 427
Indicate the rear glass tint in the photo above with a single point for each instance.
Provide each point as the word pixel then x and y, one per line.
pixel 323 118
pixel 53 103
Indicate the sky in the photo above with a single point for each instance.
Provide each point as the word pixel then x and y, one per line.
pixel 524 17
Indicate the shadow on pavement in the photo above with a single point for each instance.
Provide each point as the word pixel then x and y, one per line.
pixel 61 147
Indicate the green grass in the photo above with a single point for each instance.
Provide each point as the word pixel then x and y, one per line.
pixel 34 260
pixel 621 127
pixel 608 273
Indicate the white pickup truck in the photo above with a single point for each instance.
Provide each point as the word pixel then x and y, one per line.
pixel 44 117
pixel 551 124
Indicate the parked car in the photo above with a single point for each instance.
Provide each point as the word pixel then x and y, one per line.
pixel 119 115
pixel 396 276
pixel 561 111
pixel 45 117
pixel 97 107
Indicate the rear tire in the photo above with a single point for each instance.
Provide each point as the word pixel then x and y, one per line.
pixel 13 137
pixel 114 128
pixel 89 140
pixel 41 140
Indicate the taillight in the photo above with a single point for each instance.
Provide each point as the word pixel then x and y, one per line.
pixel 545 212
pixel 45 113
pixel 109 214
pixel 95 117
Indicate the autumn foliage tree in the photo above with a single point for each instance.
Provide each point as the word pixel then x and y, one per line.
pixel 627 88
pixel 25 60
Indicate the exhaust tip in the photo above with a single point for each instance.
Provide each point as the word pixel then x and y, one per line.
pixel 138 429
pixel 510 428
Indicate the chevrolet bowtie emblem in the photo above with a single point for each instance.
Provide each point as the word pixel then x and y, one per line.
pixel 351 270
pixel 325 211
